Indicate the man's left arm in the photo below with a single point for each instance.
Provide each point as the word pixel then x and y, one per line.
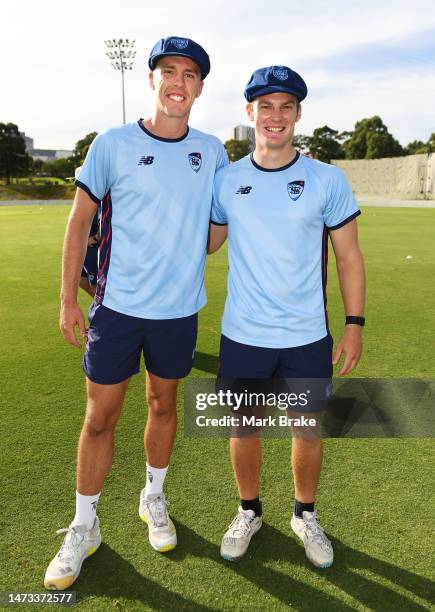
pixel 351 275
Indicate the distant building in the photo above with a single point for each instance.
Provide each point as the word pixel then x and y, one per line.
pixel 50 154
pixel 44 154
pixel 28 141
pixel 245 132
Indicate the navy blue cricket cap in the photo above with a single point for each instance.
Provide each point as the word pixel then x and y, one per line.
pixel 175 45
pixel 275 79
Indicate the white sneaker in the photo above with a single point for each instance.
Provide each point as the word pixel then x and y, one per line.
pixel 236 540
pixel 161 530
pixel 317 546
pixel 78 544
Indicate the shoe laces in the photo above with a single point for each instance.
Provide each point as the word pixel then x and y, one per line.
pixel 315 532
pixel 241 525
pixel 71 542
pixel 157 508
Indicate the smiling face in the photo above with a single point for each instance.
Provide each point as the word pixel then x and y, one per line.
pixel 274 116
pixel 177 83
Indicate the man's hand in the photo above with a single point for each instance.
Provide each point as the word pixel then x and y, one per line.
pixel 93 240
pixel 350 344
pixel 70 317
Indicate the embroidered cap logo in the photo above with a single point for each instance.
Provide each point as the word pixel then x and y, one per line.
pixel 180 43
pixel 280 73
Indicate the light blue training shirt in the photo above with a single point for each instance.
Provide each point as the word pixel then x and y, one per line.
pixel 278 223
pixel 156 198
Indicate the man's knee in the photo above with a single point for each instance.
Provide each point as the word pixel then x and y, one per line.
pixel 102 412
pixel 97 423
pixel 160 405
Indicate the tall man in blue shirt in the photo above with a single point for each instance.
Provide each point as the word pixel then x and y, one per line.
pixel 280 207
pixel 154 180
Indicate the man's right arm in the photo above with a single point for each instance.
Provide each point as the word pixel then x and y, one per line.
pixel 74 250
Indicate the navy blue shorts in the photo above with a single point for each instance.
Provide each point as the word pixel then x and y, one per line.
pixel 90 265
pixel 244 361
pixel 116 342
pixel 267 370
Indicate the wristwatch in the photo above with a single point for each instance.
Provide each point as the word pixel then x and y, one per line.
pixel 355 321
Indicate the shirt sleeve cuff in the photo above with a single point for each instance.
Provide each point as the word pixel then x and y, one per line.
pixel 347 220
pixel 88 191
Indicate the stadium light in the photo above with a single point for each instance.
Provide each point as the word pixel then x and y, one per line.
pixel 121 54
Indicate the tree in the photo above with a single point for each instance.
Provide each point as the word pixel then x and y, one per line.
pixel 237 149
pixel 416 146
pixel 60 168
pixel 324 144
pixel 372 140
pixel 301 142
pixel 82 147
pixel 14 161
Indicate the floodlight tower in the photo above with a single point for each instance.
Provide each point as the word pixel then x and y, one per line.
pixel 122 56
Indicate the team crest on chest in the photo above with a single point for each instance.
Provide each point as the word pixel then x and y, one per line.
pixel 195 161
pixel 295 189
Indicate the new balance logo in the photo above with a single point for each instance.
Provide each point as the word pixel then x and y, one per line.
pixel 244 189
pixel 145 160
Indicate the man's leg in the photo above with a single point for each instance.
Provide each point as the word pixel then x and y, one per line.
pixel 94 460
pixel 312 361
pixel 246 460
pixel 245 454
pixel 306 463
pixel 97 438
pixel 161 424
pixel 159 438
pixel 240 366
pixel 168 350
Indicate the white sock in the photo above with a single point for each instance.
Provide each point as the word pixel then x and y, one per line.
pixel 154 479
pixel 86 509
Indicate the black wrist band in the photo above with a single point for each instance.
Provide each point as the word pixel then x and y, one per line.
pixel 355 321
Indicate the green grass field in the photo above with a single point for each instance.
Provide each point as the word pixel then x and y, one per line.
pixel 375 498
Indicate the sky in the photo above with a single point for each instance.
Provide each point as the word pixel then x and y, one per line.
pixel 357 58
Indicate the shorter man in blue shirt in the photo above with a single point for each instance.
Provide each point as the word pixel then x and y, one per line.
pixel 280 207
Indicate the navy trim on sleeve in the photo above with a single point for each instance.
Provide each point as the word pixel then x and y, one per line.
pixel 353 216
pixel 216 223
pixel 88 191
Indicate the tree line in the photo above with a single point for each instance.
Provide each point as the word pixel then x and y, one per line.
pixel 370 139
pixel 16 162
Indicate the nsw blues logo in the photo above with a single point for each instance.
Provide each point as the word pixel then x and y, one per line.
pixel 295 189
pixel 180 43
pixel 195 161
pixel 280 73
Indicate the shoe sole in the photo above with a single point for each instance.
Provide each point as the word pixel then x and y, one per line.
pixel 162 549
pixel 315 563
pixel 236 559
pixel 60 584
